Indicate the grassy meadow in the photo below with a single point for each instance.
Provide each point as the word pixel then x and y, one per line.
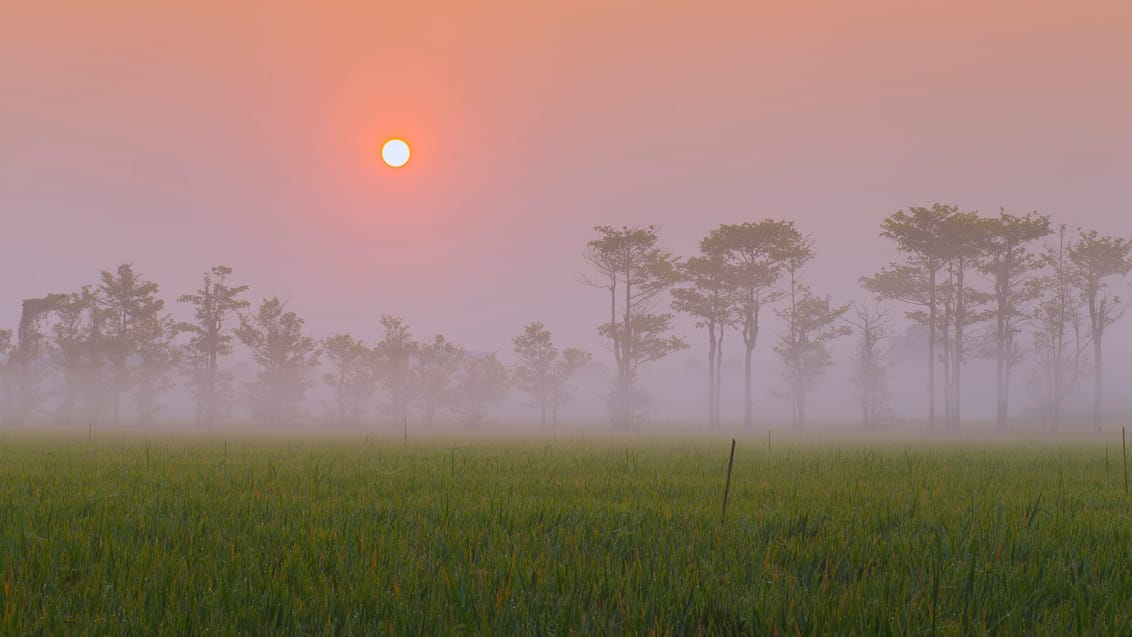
pixel 200 535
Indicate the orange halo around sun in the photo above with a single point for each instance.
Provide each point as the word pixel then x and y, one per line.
pixel 395 153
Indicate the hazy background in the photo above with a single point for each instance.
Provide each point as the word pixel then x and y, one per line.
pixel 180 135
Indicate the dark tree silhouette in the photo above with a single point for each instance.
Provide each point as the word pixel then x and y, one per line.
pixel 285 357
pixel 636 273
pixel 756 255
pixel 215 304
pixel 1097 260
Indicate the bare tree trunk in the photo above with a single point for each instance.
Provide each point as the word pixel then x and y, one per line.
pixel 957 364
pixel 932 301
pixel 1098 381
pixel 718 373
pixel 712 348
pixel 747 404
pixel 1001 370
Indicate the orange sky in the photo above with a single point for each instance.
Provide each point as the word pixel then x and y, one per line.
pixel 184 134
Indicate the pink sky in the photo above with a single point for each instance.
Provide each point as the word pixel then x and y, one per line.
pixel 180 135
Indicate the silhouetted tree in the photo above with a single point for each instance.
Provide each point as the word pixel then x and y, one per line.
pixel 1060 337
pixel 870 361
pixel 1096 260
pixel 482 383
pixel 285 356
pixel 636 273
pixel 535 372
pixel 351 377
pixel 962 241
pixel 916 234
pixel 393 364
pixel 811 322
pixel 1009 261
pixel 543 371
pixel 437 364
pixel 709 298
pixel 756 255
pixel 214 305
pixel 129 301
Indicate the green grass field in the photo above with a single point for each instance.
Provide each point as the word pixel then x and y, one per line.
pixel 349 536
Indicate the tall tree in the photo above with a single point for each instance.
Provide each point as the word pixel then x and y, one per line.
pixel 565 366
pixel 215 304
pixel 1059 335
pixel 535 372
pixel 285 356
pixel 916 234
pixel 709 298
pixel 351 377
pixel 393 365
pixel 962 241
pixel 438 362
pixel 636 273
pixel 482 383
pixel 756 254
pixel 870 361
pixel 129 302
pixel 1009 261
pixel 1096 261
pixel 811 322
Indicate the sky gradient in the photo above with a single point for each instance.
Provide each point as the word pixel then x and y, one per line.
pixel 181 135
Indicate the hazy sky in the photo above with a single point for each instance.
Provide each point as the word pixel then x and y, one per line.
pixel 183 134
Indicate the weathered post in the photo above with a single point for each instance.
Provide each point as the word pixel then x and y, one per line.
pixel 727 484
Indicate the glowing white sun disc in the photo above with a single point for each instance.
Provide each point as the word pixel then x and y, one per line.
pixel 395 153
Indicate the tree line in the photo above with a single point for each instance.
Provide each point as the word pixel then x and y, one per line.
pixel 110 348
pixel 977 286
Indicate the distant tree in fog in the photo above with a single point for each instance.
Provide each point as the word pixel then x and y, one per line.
pixel 1060 335
pixel 30 360
pixel 482 383
pixel 79 350
pixel 351 377
pixel 917 234
pixel 535 372
pixel 157 356
pixel 393 366
pixel 565 366
pixel 811 322
pixel 215 304
pixel 1011 264
pixel 543 371
pixel 710 298
pixel 7 376
pixel 437 364
pixel 756 255
pixel 1096 261
pixel 636 273
pixel 129 303
pixel 285 357
pixel 870 361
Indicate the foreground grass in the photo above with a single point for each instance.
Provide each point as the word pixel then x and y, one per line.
pixel 203 536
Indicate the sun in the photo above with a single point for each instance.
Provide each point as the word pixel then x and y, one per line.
pixel 395 153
